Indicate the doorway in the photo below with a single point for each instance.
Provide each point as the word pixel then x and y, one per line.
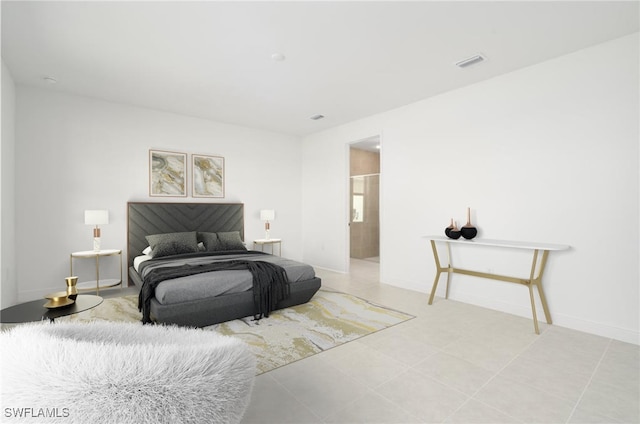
pixel 364 222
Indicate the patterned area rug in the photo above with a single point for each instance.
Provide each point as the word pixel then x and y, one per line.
pixel 328 320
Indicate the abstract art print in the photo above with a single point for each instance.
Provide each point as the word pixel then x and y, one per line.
pixel 208 176
pixel 167 173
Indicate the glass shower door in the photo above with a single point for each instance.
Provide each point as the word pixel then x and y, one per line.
pixel 365 221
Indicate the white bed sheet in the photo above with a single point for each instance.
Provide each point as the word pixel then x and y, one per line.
pixel 138 260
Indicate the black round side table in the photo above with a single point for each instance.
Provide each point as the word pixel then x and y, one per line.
pixel 35 310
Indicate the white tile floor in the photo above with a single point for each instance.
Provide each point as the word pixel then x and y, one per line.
pixel 453 363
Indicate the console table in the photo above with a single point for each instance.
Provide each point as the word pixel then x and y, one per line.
pixel 535 275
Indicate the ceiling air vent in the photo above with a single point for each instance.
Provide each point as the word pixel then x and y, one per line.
pixel 470 61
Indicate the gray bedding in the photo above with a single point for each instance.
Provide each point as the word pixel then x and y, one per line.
pixel 218 283
pixel 220 303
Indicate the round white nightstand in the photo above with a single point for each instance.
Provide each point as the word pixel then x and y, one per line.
pixel 96 284
pixel 272 242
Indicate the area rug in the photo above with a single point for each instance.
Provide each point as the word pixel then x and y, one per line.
pixel 124 373
pixel 288 335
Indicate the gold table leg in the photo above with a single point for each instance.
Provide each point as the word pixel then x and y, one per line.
pixel 533 302
pixel 439 270
pixel 121 280
pixel 97 274
pixel 537 281
pixel 449 268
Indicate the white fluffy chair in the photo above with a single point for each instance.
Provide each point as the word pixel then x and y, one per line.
pixel 102 372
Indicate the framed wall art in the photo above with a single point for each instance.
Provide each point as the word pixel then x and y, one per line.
pixel 167 174
pixel 208 176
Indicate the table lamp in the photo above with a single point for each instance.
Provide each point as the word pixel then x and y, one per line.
pixel 96 217
pixel 267 215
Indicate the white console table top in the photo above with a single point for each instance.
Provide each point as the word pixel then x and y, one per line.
pixel 501 243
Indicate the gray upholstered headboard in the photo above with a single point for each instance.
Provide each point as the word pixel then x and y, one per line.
pixel 144 218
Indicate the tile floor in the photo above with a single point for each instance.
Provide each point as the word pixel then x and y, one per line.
pixel 453 363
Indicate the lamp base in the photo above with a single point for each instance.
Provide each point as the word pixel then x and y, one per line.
pixel 96 244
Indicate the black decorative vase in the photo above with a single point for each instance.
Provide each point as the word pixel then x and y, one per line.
pixel 449 228
pixel 468 231
pixel 454 233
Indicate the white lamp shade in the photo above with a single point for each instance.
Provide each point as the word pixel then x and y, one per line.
pixel 96 217
pixel 267 215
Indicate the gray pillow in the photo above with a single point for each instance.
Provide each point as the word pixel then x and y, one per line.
pixel 231 241
pixel 211 242
pixel 172 243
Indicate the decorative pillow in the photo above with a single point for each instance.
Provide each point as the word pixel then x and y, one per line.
pixel 172 243
pixel 211 242
pixel 148 250
pixel 231 241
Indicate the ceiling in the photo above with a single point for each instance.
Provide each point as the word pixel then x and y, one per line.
pixel 344 60
pixel 370 144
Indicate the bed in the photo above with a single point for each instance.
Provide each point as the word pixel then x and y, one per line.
pixel 205 298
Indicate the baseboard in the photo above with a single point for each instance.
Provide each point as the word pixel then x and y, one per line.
pixel 29 295
pixel 559 319
pixel 617 333
pixel 407 285
pixel 329 269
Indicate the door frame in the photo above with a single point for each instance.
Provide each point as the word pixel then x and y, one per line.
pixel 377 138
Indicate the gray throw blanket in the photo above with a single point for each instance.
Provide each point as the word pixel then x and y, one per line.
pixel 270 284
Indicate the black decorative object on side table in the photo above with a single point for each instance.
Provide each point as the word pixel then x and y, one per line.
pixel 454 233
pixel 468 231
pixel 36 311
pixel 449 228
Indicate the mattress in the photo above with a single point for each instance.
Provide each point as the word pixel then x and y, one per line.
pixel 217 283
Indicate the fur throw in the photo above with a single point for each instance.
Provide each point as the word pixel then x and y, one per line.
pixel 104 372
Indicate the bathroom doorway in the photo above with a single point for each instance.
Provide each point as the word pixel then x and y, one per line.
pixel 364 223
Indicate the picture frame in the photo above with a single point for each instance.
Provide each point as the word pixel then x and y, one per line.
pixel 167 174
pixel 207 176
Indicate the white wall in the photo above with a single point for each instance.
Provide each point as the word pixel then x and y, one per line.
pixel 75 153
pixel 8 286
pixel 548 153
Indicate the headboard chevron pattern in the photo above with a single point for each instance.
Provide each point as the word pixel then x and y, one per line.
pixel 145 218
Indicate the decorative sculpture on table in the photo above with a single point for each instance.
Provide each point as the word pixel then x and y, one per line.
pixel 468 231
pixel 63 298
pixel 58 300
pixel 72 290
pixel 454 233
pixel 449 228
